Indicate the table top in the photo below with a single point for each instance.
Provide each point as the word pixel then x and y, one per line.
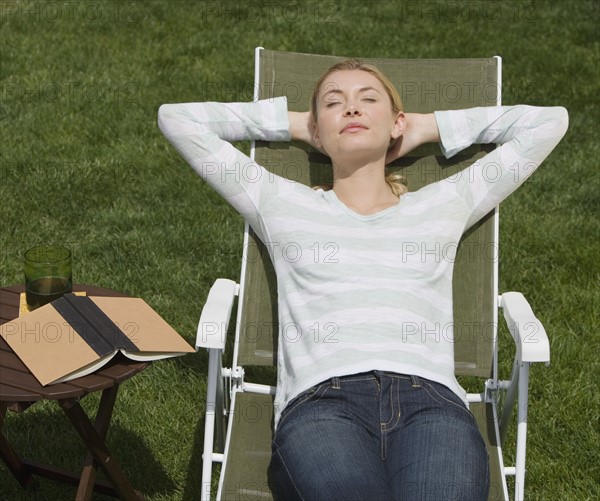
pixel 17 384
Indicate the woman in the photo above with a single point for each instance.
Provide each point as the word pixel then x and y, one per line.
pixel 367 404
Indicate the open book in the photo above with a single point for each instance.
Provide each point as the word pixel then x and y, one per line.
pixel 76 335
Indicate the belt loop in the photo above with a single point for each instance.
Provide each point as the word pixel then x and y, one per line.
pixel 335 383
pixel 416 381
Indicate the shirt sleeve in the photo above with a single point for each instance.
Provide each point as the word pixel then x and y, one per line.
pixel 202 132
pixel 526 135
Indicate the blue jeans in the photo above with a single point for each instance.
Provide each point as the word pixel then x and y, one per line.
pixel 378 436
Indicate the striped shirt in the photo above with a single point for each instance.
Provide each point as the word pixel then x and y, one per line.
pixel 356 292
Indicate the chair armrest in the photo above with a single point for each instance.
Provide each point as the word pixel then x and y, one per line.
pixel 216 313
pixel 527 331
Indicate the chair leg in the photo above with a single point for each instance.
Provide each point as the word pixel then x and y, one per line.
pixel 521 431
pixel 214 360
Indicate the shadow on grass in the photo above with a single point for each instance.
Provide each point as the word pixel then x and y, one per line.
pixel 45 436
pixel 193 479
pixel 197 363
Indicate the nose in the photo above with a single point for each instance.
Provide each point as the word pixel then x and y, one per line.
pixel 352 110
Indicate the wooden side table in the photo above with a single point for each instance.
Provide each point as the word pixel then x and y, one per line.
pixel 19 389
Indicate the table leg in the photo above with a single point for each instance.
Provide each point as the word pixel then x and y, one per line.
pixel 98 449
pixel 25 471
pixel 90 468
pixel 20 470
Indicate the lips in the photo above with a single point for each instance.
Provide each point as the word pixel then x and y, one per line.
pixel 353 127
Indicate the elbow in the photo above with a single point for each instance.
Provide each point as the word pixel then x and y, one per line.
pixel 563 115
pixel 165 115
pixel 562 120
pixel 553 124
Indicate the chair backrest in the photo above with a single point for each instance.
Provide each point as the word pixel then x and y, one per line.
pixel 425 86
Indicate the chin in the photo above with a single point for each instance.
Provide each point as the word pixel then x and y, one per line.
pixel 359 154
pixel 363 147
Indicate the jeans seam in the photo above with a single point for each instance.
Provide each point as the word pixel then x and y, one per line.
pixel 394 402
pixel 396 376
pixel 350 379
pixel 284 466
pixel 395 414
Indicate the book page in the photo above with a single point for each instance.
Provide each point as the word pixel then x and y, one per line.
pixel 88 369
pixel 47 344
pixel 145 328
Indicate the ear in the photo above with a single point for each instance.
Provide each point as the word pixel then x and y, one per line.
pixel 399 125
pixel 316 140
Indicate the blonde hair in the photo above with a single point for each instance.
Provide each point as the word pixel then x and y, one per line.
pixel 395 181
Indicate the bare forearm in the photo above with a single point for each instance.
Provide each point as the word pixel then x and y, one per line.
pixel 424 127
pixel 420 129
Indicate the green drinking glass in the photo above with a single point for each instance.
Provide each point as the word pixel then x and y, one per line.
pixel 48 274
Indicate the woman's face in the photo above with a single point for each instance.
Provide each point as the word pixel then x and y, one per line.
pixel 355 116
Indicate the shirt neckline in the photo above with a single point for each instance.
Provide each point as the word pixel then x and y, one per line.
pixel 361 217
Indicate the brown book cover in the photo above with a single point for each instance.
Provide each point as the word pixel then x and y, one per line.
pixel 76 335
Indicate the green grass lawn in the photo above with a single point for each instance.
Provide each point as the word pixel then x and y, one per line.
pixel 82 162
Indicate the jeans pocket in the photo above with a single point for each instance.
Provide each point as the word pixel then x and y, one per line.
pixel 305 396
pixel 446 397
